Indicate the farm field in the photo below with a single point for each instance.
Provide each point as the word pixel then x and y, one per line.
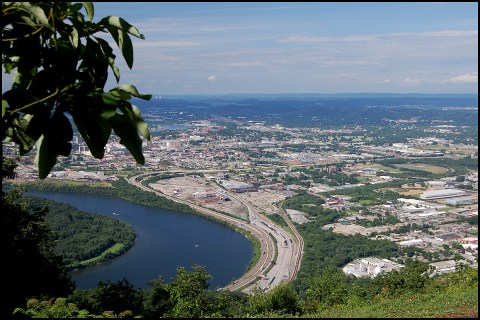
pixel 424 167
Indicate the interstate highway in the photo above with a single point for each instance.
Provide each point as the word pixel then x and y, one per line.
pixel 277 262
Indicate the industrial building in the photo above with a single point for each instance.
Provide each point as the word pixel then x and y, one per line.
pixel 443 266
pixel 237 186
pixel 370 267
pixel 444 193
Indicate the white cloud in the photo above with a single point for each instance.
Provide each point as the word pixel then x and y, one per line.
pixel 465 78
pixel 240 64
pixel 380 37
pixel 212 78
pixel 168 43
pixel 313 39
pixel 412 81
pixel 446 33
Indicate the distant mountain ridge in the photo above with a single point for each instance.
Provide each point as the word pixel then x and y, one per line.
pixel 318 95
pixel 304 110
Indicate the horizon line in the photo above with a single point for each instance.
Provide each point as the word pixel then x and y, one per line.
pixel 309 93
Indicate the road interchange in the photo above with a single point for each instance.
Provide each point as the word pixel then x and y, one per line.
pixel 281 251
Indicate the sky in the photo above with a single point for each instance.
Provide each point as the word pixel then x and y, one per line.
pixel 299 47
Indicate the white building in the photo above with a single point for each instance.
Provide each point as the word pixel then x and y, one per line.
pixel 444 266
pixel 444 193
pixel 409 243
pixel 370 267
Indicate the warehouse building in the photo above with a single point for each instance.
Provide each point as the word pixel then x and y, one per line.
pixel 370 267
pixel 444 193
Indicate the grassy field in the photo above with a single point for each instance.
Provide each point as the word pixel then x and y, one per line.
pixel 384 168
pixel 423 167
pixel 113 249
pixel 454 303
pixel 407 191
pixel 67 183
pixel 452 149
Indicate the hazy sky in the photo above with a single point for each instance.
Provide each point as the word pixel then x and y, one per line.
pixel 295 47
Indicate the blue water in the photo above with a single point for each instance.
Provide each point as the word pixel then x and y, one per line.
pixel 165 240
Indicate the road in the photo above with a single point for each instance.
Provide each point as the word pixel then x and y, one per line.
pixel 280 268
pixel 281 251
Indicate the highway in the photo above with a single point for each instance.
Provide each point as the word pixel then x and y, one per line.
pixel 279 259
pixel 284 246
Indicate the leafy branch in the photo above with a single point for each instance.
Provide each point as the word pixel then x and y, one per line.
pixel 60 69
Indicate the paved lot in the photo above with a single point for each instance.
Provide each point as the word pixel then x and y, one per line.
pixel 200 192
pixel 263 200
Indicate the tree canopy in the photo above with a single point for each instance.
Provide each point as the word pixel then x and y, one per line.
pixel 60 67
pixel 30 262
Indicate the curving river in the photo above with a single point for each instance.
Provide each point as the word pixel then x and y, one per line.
pixel 165 240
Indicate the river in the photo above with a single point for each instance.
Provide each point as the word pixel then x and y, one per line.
pixel 165 240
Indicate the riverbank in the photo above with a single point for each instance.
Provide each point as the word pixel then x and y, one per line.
pixel 124 190
pixel 83 239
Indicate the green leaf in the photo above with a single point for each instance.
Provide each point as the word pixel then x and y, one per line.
pixel 124 44
pixel 61 133
pixel 45 158
pixel 135 117
pixel 8 66
pixel 128 88
pixel 109 106
pixel 108 52
pixel 35 11
pixel 17 79
pixel 75 8
pixel 95 131
pixel 89 9
pixel 24 129
pixel 119 28
pixel 29 22
pixel 122 95
pixel 4 107
pixel 141 125
pixel 73 37
pixel 120 23
pixel 131 112
pixel 95 63
pixel 115 69
pixel 19 134
pixel 128 136
pixel 110 100
pixel 55 141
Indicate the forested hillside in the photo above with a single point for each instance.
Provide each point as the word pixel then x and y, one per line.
pixel 409 293
pixel 82 238
pixel 120 188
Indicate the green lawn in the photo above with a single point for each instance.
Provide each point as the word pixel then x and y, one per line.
pixel 424 167
pixel 454 303
pixel 113 249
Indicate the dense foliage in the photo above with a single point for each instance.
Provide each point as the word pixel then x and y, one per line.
pixel 324 248
pixel 82 236
pixel 369 192
pixel 410 292
pixel 320 175
pixel 121 189
pixel 312 205
pixel 30 264
pixel 60 67
pixel 320 289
